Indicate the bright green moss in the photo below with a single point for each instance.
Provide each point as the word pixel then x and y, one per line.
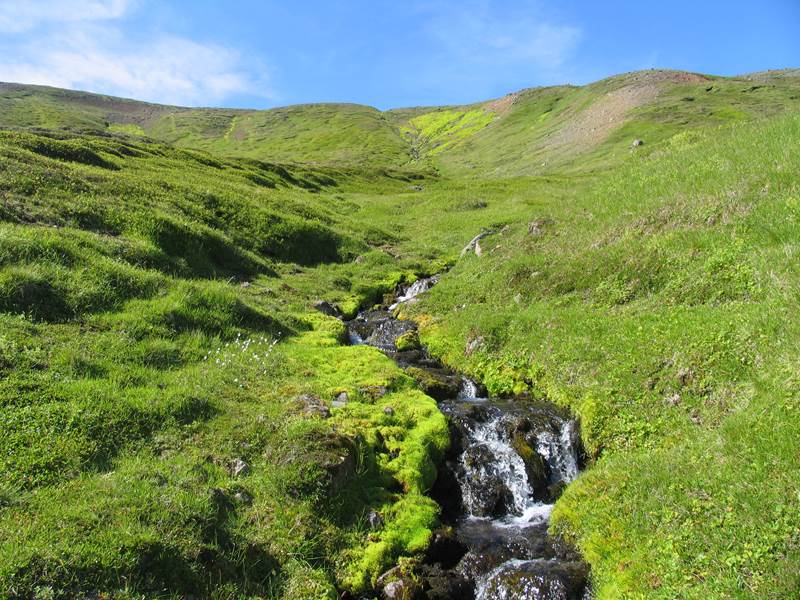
pixel 407 341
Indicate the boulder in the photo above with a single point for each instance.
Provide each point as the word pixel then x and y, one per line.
pixel 374 520
pixel 407 341
pixel 394 585
pixel 486 494
pixel 473 243
pixel 445 549
pixel 312 406
pixel 536 579
pixel 326 308
pixel 537 227
pixel 438 383
pixel 239 467
pixel 473 344
pixel 438 584
pixel 535 466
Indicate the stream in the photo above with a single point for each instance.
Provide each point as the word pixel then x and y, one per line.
pixel 507 465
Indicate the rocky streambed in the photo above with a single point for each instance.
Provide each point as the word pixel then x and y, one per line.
pixel 508 463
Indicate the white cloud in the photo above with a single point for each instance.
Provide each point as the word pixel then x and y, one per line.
pixel 17 16
pixel 72 49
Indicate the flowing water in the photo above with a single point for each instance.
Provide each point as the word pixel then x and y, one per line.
pixel 508 463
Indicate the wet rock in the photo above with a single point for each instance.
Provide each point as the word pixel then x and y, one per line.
pixel 326 308
pixel 378 328
pixel 447 491
pixel 487 495
pixel 312 406
pixel 535 466
pixel 407 341
pixel 490 546
pixel 522 580
pixel 438 383
pixel 445 549
pixel 239 467
pixel 439 584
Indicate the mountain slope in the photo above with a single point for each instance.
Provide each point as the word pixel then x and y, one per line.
pixel 531 132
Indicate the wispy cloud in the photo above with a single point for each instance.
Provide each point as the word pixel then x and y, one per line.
pixel 16 16
pixel 479 32
pixel 86 48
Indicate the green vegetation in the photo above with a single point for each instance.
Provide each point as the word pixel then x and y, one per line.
pixel 167 389
pixel 441 129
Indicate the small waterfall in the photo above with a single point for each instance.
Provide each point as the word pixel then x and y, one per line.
pixel 558 449
pixel 469 390
pixel 420 286
pixel 491 458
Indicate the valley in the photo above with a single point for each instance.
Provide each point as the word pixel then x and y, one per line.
pixel 184 413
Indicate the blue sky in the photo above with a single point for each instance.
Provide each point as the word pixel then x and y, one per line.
pixel 383 53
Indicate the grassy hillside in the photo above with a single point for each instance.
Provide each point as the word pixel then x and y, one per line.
pixel 160 360
pixel 341 134
pixel 157 334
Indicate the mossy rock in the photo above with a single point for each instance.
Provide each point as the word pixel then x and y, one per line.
pixel 408 341
pixel 437 383
pixel 535 466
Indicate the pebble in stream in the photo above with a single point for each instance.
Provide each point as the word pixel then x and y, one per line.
pixel 507 464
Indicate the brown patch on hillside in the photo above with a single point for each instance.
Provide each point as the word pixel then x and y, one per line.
pixel 586 128
pixel 589 127
pixel 502 105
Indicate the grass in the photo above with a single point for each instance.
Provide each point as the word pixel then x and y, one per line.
pixel 157 277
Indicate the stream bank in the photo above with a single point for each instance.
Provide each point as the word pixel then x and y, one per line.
pixel 507 465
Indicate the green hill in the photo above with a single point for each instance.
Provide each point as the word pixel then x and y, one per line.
pixel 159 346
